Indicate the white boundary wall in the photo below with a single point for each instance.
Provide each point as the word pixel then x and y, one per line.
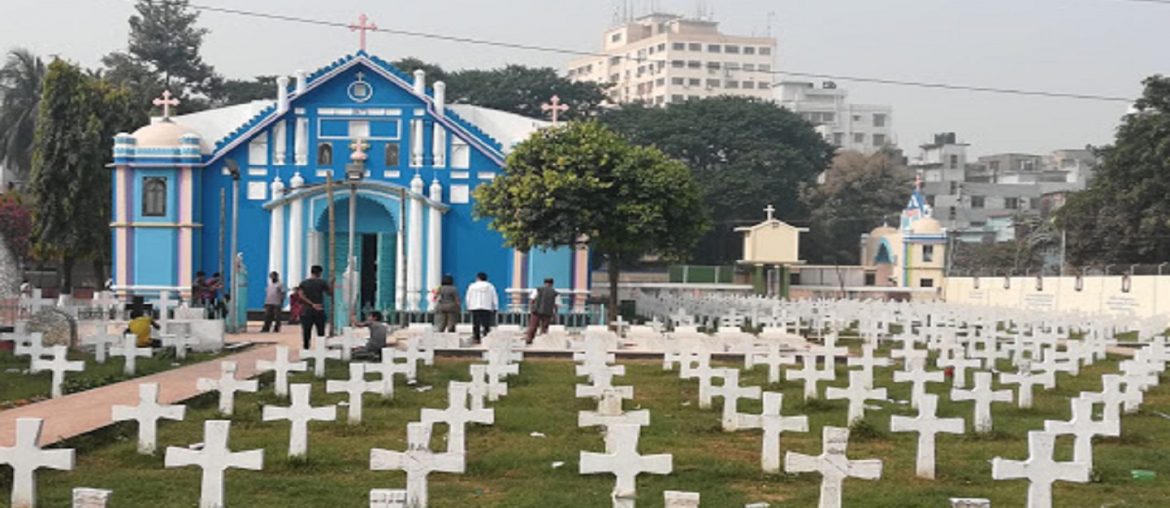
pixel 1140 296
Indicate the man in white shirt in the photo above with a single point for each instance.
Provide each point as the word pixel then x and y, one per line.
pixel 483 302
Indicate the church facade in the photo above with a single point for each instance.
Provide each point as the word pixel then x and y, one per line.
pixel 420 162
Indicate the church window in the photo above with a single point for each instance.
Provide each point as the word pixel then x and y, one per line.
pixel 392 154
pixel 325 154
pixel 258 151
pixel 460 154
pixel 928 253
pixel 870 279
pixel 359 129
pixel 154 197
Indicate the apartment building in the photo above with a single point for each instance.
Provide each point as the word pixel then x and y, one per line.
pixel 665 58
pixel 864 128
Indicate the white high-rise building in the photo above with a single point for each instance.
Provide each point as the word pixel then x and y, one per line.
pixel 865 128
pixel 666 58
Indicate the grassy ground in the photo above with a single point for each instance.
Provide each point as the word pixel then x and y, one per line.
pixel 508 467
pixel 17 389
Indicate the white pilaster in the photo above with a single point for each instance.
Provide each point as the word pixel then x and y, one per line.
pixel 414 261
pixel 281 94
pixel 439 147
pixel 435 238
pixel 302 142
pixel 276 233
pixel 416 143
pixel 301 82
pixel 280 143
pixel 296 235
pixel 400 267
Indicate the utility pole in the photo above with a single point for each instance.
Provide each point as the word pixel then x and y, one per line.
pixel 238 322
pixel 332 255
pixel 222 226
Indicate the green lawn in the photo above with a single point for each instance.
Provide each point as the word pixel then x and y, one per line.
pixel 508 467
pixel 17 389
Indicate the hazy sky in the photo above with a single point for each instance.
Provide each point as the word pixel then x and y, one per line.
pixel 1087 46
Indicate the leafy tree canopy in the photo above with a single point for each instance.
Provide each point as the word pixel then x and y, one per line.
pixel 1124 215
pixel 582 181
pixel 859 193
pixel 745 153
pixel 20 94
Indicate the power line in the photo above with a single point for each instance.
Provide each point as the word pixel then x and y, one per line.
pixel 574 52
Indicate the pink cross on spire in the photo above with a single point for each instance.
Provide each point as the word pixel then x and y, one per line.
pixel 166 102
pixel 363 25
pixel 555 107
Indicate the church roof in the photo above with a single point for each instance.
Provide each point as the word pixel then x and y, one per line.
pixel 162 134
pixel 217 124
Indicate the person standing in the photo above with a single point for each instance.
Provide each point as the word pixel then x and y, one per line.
pixel 542 306
pixel 312 293
pixel 447 306
pixel 483 302
pixel 273 301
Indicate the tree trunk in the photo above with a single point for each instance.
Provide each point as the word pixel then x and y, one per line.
pixel 614 268
pixel 99 274
pixel 67 273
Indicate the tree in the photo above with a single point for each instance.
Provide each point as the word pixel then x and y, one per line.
pixel 582 181
pixel 240 91
pixel 859 193
pixel 77 118
pixel 1035 239
pixel 411 64
pixel 1123 217
pixel 15 225
pixel 745 153
pixel 522 90
pixel 20 93
pixel 164 54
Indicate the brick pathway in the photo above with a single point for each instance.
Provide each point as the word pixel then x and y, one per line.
pixel 79 413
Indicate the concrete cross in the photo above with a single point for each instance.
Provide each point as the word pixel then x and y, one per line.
pixel 1084 427
pixel 181 341
pixel 387 369
pixel 25 457
pixel 355 387
pixel 1111 396
pixel 299 414
pixel 603 382
pixel 731 392
pixel 1027 379
pixel 31 345
pixel 676 351
pixel 457 416
pixel 1040 470
pixel 60 364
pixel 918 376
pixel 1142 374
pixel 774 357
pixel 281 366
pixel 166 101
pixel 101 343
pixel 697 357
pixel 362 26
pixel 956 360
pixel 983 396
pixel 810 374
pixel 129 350
pixel 592 370
pixel 500 370
pixel 555 108
pixel 856 393
pixel 227 385
pixel 415 352
pixel 214 458
pixel 491 385
pixel 621 459
pixel 417 461
pixel 833 465
pixel 705 373
pixel 770 210
pixel 909 354
pixel 476 393
pixel 867 361
pixel 927 425
pixel 772 423
pixel 164 305
pixel 345 343
pixel 830 350
pixel 147 413
pixel 319 354
pixel 609 412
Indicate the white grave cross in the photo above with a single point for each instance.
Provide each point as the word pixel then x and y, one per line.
pixel 773 423
pixel 355 387
pixel 731 392
pixel 811 374
pixel 867 361
pixel 1040 470
pixel 856 393
pixel 227 385
pixel 130 351
pixel 833 465
pixel 622 460
pixel 25 457
pixel 299 414
pixel 918 376
pixel 1084 427
pixel 457 416
pixel 418 461
pixel 281 366
pixel 147 413
pixel 1026 379
pixel 60 364
pixel 927 425
pixel 214 458
pixel 983 396
pixel 319 354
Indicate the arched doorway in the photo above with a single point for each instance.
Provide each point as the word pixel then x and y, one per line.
pixel 375 246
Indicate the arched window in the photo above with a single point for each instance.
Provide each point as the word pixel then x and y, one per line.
pixel 325 154
pixel 391 154
pixel 154 197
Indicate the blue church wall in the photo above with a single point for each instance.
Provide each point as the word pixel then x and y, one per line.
pixel 155 264
pixel 555 263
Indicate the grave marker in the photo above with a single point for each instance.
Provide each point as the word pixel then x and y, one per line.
pixel 811 374
pixel 26 456
pixel 621 459
pixel 129 350
pixel 856 393
pixel 319 354
pixel 731 392
pixel 214 458
pixel 1039 469
pixel 983 396
pixel 833 465
pixel 355 387
pixel 147 413
pixel 773 423
pixel 227 385
pixel 457 416
pixel 281 366
pixel 417 461
pixel 299 414
pixel 1084 427
pixel 59 365
pixel 927 425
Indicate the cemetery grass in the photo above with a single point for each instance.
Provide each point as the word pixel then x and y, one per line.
pixel 509 467
pixel 18 388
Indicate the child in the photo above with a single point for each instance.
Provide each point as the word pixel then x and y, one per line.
pixel 140 325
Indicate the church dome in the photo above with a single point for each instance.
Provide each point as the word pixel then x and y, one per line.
pixel 926 226
pixel 882 231
pixel 162 134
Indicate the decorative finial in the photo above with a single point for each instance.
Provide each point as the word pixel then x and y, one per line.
pixel 166 102
pixel 770 210
pixel 363 25
pixel 359 147
pixel 555 107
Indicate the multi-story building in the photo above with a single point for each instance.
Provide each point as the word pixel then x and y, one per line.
pixel 665 58
pixel 978 201
pixel 865 128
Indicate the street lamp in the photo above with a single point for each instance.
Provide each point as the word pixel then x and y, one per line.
pixel 235 321
pixel 354 173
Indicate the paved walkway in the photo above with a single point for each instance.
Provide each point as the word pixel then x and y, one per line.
pixel 79 413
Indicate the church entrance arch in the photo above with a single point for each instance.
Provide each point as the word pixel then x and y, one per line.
pixel 375 246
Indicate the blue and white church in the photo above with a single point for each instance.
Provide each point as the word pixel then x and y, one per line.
pixel 423 158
